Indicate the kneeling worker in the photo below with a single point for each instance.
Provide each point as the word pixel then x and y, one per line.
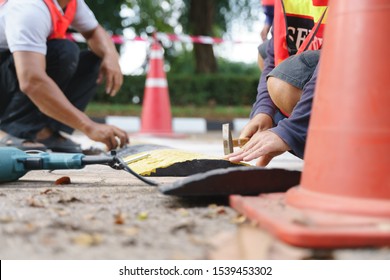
pixel 280 116
pixel 46 81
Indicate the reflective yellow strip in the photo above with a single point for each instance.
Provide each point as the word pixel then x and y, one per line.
pixel 148 162
pixel 163 158
pixel 304 8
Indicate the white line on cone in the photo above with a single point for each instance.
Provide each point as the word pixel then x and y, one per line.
pixel 156 54
pixel 153 82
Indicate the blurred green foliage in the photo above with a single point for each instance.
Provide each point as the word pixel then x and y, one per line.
pixel 166 15
pixel 101 110
pixel 201 17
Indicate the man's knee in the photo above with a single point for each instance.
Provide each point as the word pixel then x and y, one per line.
pixel 284 95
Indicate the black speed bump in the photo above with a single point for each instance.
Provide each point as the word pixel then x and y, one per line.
pixel 241 180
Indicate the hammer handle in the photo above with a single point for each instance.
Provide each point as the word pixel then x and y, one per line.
pixel 239 142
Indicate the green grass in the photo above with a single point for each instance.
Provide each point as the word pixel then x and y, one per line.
pixel 209 112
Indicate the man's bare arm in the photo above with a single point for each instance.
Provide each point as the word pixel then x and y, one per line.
pixel 101 44
pixel 50 100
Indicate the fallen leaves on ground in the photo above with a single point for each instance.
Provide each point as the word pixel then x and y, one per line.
pixel 51 192
pixel 131 231
pixel 70 199
pixel 119 218
pixel 47 191
pixel 36 202
pixel 240 219
pixel 87 239
pixel 183 212
pixel 214 211
pixel 187 227
pixel 5 219
pixel 142 216
pixel 65 180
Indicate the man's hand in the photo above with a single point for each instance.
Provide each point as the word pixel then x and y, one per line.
pixel 264 145
pixel 101 44
pixel 107 134
pixel 258 123
pixel 110 71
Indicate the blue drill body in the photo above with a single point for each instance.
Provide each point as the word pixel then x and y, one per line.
pixel 15 163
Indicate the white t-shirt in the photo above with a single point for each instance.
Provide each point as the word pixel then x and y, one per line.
pixel 25 25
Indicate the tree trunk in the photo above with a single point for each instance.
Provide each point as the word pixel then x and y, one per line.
pixel 201 21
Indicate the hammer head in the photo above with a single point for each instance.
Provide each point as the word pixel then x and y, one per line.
pixel 227 139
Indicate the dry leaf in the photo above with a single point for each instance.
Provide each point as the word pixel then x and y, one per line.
pixel 5 219
pixel 33 202
pixel 46 191
pixel 63 181
pixel 131 231
pixel 119 218
pixel 142 216
pixel 187 227
pixel 220 210
pixel 66 200
pixel 183 212
pixel 86 239
pixel 239 219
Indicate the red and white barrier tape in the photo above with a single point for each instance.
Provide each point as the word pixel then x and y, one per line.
pixel 119 39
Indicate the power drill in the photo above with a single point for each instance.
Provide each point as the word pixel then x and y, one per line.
pixel 15 163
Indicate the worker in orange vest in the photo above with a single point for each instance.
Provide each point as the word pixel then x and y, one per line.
pixel 280 116
pixel 46 81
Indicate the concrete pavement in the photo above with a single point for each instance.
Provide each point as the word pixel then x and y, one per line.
pixel 109 214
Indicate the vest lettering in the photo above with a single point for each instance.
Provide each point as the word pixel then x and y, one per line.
pixel 299 19
pixel 301 36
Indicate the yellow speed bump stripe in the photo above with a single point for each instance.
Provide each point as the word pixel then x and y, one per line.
pixel 149 161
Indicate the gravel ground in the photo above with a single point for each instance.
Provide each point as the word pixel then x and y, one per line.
pixel 105 214
pixel 109 214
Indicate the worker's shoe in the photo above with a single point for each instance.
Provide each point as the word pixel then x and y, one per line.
pixel 58 143
pixel 7 140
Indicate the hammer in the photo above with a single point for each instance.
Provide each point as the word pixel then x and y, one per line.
pixel 228 142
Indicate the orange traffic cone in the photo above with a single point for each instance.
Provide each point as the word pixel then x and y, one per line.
pixel 156 118
pixel 343 199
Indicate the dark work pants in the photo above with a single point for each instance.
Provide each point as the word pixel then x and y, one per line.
pixel 74 71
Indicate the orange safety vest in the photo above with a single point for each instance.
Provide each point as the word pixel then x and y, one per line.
pixel 61 21
pixel 298 26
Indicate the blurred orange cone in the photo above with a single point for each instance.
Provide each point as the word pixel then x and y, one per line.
pixel 156 118
pixel 343 199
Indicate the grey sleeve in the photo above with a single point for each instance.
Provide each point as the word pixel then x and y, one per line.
pixel 293 130
pixel 28 25
pixel 84 19
pixel 263 103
